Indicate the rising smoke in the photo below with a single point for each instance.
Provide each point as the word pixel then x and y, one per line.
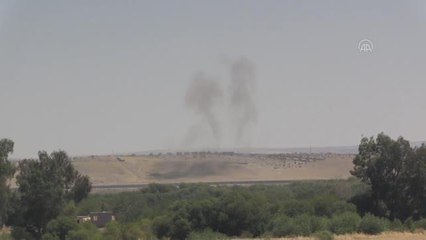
pixel 201 97
pixel 242 88
pixel 205 93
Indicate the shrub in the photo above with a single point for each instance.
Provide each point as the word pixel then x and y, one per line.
pixel 371 224
pixel 302 225
pixel 339 207
pixel 20 233
pixel 180 228
pixel 420 223
pixel 112 231
pixel 319 223
pixel 61 226
pixel 86 231
pixel 241 211
pixel 246 234
pixel 323 235
pixel 294 208
pixel 409 224
pixel 5 236
pixel 146 226
pixel 134 231
pixel 323 205
pixel 49 236
pixel 396 225
pixel 347 222
pixel 161 226
pixel 266 235
pixel 70 210
pixel 207 234
pixel 283 226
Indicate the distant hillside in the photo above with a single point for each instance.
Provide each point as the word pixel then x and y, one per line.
pixel 338 150
pixel 331 149
pixel 203 166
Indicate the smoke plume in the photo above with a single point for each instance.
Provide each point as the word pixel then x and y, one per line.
pixel 242 88
pixel 205 93
pixel 201 97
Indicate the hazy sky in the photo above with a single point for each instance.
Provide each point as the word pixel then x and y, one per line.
pixel 93 77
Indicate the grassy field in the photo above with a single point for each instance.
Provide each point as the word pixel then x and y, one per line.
pixel 418 235
pixel 213 167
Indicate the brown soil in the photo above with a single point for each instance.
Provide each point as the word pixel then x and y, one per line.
pixel 213 167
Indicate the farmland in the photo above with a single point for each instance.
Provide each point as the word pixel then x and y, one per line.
pixel 190 167
pixel 418 235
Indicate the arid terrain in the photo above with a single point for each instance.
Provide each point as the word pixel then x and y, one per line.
pixel 213 167
pixel 418 235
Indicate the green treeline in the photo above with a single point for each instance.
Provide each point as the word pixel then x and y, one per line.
pixel 388 192
pixel 198 211
pixel 189 210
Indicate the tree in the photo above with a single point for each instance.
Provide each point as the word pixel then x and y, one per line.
pixel 161 226
pixel 82 187
pixel 6 173
pixel 85 231
pixel 61 226
pixel 371 224
pixel 45 186
pixel 283 226
pixel 415 183
pixel 113 231
pixel 396 173
pixel 347 222
pixel 241 211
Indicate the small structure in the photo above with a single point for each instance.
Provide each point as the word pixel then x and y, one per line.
pixel 99 219
pixel 82 219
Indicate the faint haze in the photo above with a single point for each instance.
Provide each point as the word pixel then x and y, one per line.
pixel 96 77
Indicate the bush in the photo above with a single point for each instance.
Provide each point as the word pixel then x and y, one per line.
pixel 133 231
pixel 396 225
pixel 180 228
pixel 113 231
pixel 302 225
pixel 323 235
pixel 146 227
pixel 409 224
pixel 61 226
pixel 20 233
pixel 323 205
pixel 347 222
pixel 5 236
pixel 319 224
pixel 161 226
pixel 294 208
pixel 49 236
pixel 420 224
pixel 371 224
pixel 86 231
pixel 283 226
pixel 339 207
pixel 206 235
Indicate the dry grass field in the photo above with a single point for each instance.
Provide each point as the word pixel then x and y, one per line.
pixel 420 235
pixel 213 167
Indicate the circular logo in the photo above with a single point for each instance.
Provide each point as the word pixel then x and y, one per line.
pixel 365 46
